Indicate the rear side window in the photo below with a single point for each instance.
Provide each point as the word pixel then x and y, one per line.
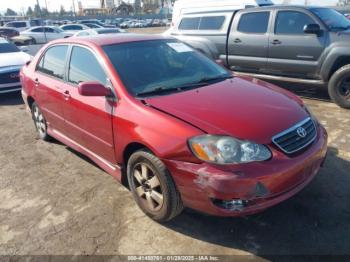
pixel 53 61
pixel 254 23
pixel 202 23
pixel 85 67
pixel 292 23
pixel 38 30
pixel 17 24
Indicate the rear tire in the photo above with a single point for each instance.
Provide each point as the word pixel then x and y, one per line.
pixel 40 123
pixel 339 87
pixel 153 187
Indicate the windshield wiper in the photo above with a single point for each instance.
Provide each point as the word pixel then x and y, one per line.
pixel 158 91
pixel 340 28
pixel 202 82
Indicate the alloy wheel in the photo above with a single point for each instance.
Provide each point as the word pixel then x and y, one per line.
pixel 148 187
pixel 344 88
pixel 39 121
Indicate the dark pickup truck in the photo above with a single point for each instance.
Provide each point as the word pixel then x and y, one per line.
pixel 308 45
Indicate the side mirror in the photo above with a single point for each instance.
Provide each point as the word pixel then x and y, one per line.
pixel 93 88
pixel 312 29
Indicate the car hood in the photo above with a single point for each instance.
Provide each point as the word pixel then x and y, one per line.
pixel 245 108
pixel 13 59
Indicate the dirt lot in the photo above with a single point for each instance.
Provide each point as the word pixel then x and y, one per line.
pixel 54 201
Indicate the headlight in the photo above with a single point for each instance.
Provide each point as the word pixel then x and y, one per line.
pixel 227 150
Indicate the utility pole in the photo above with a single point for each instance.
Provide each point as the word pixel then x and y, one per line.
pixel 75 15
pixel 41 17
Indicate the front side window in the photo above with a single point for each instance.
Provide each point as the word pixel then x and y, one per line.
pixel 49 30
pixel 148 66
pixel 85 67
pixel 53 61
pixel 292 23
pixel 254 23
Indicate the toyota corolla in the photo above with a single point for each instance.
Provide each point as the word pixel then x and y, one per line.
pixel 175 127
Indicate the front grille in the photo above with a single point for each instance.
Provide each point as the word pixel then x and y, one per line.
pixel 297 137
pixel 9 77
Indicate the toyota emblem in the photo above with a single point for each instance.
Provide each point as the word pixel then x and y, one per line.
pixel 14 75
pixel 301 132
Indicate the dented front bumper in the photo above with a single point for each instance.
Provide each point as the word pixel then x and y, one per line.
pixel 258 185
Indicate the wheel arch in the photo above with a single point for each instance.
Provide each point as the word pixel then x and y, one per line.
pixel 30 101
pixel 127 152
pixel 339 63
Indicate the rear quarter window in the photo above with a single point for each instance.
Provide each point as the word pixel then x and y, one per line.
pixel 202 23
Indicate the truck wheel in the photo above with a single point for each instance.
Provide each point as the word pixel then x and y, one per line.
pixel 153 187
pixel 339 87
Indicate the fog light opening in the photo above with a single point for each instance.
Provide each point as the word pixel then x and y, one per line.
pixel 231 205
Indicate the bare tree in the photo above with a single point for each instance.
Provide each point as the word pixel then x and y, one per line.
pixel 343 2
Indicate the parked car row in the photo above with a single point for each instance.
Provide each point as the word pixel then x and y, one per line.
pixel 22 33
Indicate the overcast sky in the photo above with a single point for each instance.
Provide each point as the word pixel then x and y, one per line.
pixel 20 5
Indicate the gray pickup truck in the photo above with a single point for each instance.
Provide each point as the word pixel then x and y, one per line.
pixel 308 45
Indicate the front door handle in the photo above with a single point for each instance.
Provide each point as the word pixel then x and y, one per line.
pixel 66 95
pixel 36 82
pixel 276 42
pixel 237 41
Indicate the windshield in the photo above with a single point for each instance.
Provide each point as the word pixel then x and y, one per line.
pixel 147 66
pixel 6 47
pixel 332 18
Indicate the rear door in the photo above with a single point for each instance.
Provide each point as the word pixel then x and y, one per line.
pixel 49 80
pixel 291 51
pixel 248 41
pixel 88 119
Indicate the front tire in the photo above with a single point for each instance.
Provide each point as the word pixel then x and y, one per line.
pixel 153 187
pixel 339 87
pixel 40 123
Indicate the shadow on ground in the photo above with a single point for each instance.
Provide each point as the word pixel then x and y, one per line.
pixel 313 222
pixel 314 92
pixel 11 99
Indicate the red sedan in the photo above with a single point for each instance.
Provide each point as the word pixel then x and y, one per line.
pixel 177 128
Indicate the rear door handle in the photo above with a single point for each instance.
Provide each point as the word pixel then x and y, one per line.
pixel 237 40
pixel 276 42
pixel 66 95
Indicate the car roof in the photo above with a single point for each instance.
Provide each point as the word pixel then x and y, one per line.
pixel 273 7
pixel 110 39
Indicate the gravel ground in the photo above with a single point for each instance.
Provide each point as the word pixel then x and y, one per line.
pixel 54 201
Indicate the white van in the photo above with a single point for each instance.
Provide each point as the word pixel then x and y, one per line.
pixel 21 25
pixel 186 7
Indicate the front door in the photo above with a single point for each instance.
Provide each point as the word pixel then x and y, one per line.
pixel 291 51
pixel 88 119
